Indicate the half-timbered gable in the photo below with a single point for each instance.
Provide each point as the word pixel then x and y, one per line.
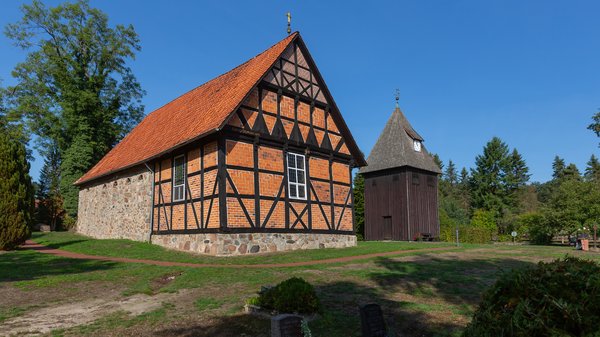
pixel 273 174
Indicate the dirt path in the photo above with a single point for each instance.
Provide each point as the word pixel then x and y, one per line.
pixel 46 319
pixel 62 253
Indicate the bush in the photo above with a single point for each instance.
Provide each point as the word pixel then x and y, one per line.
pixel 69 223
pixel 470 234
pixel 484 220
pixel 560 298
pixel 538 228
pixel 294 295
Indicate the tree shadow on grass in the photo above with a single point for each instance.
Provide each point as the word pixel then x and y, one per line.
pixel 340 317
pixel 26 265
pixel 57 244
pixel 225 326
pixel 460 282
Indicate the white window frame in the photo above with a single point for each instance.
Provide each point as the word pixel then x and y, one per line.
pixel 417 145
pixel 296 170
pixel 181 187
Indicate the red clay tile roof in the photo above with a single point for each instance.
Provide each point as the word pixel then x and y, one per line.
pixel 192 115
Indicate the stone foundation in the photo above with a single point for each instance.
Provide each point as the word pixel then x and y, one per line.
pixel 252 243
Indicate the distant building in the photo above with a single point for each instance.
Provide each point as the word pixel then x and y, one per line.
pixel 258 159
pixel 401 182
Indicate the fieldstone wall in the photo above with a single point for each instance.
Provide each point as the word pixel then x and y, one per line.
pixel 220 244
pixel 117 207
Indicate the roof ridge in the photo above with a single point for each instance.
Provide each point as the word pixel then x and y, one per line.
pixel 394 147
pixel 225 73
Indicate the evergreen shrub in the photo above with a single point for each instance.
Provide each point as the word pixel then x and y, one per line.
pixel 560 298
pixel 16 192
pixel 293 295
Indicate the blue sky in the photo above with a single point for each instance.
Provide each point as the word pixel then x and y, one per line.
pixel 526 71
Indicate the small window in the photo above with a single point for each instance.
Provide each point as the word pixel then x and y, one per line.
pixel 430 182
pixel 415 179
pixel 178 178
pixel 417 145
pixel 296 176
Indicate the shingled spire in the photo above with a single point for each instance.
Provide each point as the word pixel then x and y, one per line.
pixel 396 148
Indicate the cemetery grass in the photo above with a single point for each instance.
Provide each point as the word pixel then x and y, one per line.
pixel 421 293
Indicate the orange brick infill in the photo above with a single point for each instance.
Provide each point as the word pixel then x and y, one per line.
pixel 71 255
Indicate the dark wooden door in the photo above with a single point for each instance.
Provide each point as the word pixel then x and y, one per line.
pixel 387 227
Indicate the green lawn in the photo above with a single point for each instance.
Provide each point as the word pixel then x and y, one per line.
pixel 141 250
pixel 422 293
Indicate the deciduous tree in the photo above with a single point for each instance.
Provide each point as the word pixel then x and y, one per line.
pixel 75 88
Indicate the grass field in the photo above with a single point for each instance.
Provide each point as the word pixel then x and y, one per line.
pixel 422 293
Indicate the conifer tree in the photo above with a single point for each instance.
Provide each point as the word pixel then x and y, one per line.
pixel 558 167
pixel 571 172
pixel 487 187
pixel 438 161
pixel 515 178
pixel 450 174
pixel 497 182
pixel 359 204
pixel 16 191
pixel 592 171
pixel 595 126
pixel 464 177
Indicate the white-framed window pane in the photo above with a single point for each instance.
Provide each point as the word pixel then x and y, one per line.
pixel 301 177
pixel 300 163
pixel 296 176
pixel 301 193
pixel 292 160
pixel 178 178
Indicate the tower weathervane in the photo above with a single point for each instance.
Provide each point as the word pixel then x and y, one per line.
pixel 289 20
pixel 397 96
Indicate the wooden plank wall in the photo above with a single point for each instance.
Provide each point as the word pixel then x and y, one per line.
pixel 409 197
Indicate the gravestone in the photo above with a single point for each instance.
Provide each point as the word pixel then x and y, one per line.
pixel 371 321
pixel 286 325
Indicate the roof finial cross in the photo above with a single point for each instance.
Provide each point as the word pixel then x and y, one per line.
pixel 289 20
pixel 397 96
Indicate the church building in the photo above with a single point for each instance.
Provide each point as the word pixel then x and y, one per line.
pixel 401 180
pixel 256 160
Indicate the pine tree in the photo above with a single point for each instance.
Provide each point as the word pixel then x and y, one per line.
pixel 450 174
pixel 592 171
pixel 438 161
pixel 516 178
pixel 16 191
pixel 464 177
pixel 487 178
pixel 359 204
pixel 571 172
pixel 558 167
pixel 518 172
pixel 595 126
